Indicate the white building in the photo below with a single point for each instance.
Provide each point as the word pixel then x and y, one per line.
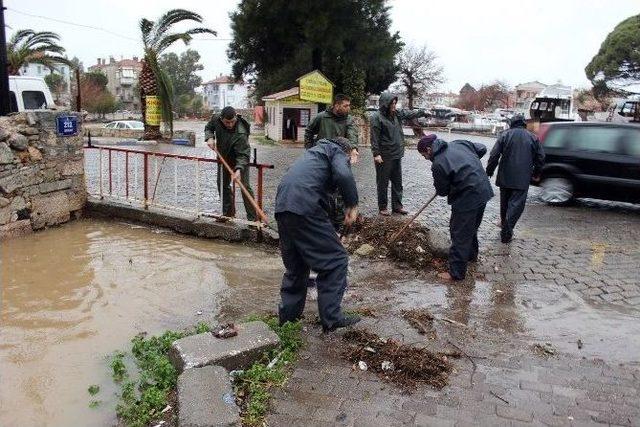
pixel 223 91
pixel 38 70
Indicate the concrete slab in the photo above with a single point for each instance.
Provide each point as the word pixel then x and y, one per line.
pixel 205 398
pixel 239 352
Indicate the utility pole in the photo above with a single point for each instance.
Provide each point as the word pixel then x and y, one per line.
pixel 4 68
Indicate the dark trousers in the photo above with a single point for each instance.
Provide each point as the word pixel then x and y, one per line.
pixel 305 244
pixel 228 199
pixel 389 170
pixel 512 204
pixel 463 227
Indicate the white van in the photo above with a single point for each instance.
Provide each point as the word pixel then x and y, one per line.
pixel 29 93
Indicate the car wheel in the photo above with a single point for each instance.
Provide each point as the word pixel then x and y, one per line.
pixel 557 190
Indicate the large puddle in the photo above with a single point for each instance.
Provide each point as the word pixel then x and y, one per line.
pixel 72 295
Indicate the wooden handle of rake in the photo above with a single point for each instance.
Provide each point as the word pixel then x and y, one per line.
pixel 260 212
pixel 398 233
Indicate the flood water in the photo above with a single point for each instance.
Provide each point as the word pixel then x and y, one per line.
pixel 73 295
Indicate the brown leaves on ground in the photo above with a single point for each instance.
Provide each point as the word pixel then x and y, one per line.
pixel 404 365
pixel 421 320
pixel 412 247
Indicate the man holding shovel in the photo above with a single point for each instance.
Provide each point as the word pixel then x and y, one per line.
pixel 459 175
pixel 229 134
pixel 307 237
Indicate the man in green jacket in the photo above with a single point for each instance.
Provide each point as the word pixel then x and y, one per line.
pixel 333 123
pixel 329 124
pixel 229 133
pixel 387 145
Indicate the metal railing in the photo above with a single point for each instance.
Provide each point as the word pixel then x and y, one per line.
pixel 170 181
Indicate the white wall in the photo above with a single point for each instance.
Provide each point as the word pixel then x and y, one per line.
pixel 273 125
pixel 219 95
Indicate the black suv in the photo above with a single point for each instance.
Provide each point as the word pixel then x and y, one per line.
pixel 589 159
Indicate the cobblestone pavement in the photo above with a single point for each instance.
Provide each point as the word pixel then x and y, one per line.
pixel 571 275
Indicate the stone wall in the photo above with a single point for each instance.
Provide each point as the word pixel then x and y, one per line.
pixel 41 174
pixel 98 132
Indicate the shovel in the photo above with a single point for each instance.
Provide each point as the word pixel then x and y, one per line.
pixel 259 212
pixel 398 233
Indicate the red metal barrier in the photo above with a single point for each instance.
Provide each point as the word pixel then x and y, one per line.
pixel 146 172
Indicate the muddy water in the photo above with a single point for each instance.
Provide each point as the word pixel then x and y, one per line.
pixel 73 295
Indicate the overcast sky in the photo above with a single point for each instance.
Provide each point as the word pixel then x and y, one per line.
pixel 476 41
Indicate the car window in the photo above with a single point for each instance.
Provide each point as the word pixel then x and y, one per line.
pixel 556 138
pixel 34 100
pixel 13 102
pixel 633 143
pixel 598 139
pixel 121 126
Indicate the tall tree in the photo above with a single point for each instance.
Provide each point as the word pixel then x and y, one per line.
pixel 182 71
pixel 617 63
pixel 33 47
pixel 418 72
pixel 154 81
pixel 276 42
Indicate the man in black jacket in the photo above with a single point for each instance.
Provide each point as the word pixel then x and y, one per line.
pixel 459 175
pixel 521 158
pixel 307 237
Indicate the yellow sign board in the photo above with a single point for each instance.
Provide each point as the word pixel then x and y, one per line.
pixel 315 87
pixel 153 113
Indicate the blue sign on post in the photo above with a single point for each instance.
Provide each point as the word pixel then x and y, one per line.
pixel 67 125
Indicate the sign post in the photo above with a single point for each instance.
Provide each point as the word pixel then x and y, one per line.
pixel 315 87
pixel 4 72
pixel 67 125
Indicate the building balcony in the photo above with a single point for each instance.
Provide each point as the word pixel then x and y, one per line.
pixel 127 81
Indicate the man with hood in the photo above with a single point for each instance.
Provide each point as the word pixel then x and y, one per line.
pixel 332 123
pixel 459 175
pixel 307 237
pixel 521 158
pixel 387 146
pixel 229 133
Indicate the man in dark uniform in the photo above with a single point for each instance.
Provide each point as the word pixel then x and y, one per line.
pixel 387 146
pixel 307 237
pixel 459 175
pixel 329 124
pixel 229 133
pixel 521 158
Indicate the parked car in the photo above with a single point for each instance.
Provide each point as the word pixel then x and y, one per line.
pixel 590 159
pixel 125 124
pixel 29 93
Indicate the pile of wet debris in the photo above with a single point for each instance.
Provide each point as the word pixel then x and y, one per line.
pixel 403 365
pixel 371 236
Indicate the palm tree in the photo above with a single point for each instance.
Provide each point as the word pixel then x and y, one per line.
pixel 33 47
pixel 156 37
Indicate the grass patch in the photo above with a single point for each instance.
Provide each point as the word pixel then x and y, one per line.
pixel 147 392
pixel 253 386
pixel 143 399
pixel 93 389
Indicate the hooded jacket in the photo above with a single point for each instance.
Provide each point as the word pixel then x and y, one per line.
pixel 232 144
pixel 309 183
pixel 327 125
pixel 387 138
pixel 520 155
pixel 459 175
